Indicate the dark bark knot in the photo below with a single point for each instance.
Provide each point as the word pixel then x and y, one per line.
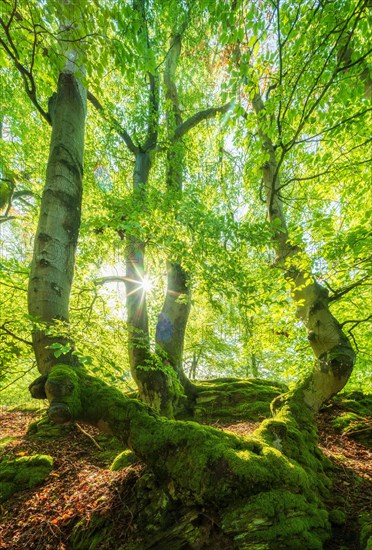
pixel 44 237
pixel 56 289
pixel 51 251
pixel 339 360
pixel 44 262
pixel 318 305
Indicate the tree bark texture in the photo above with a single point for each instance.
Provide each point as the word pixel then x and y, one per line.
pixel 172 321
pixel 334 354
pixel 255 484
pixel 155 386
pixel 55 243
pixel 139 344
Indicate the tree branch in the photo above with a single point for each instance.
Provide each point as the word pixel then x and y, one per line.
pixel 28 80
pixel 356 322
pixel 153 125
pixel 10 333
pixel 115 124
pixel 194 120
pixel 339 293
pixel 111 279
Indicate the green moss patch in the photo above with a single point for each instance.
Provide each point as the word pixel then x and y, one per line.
pixel 354 425
pixel 355 401
pixel 337 517
pixel 46 429
pixel 277 519
pixel 235 399
pixel 23 473
pixel 123 460
pixel 365 522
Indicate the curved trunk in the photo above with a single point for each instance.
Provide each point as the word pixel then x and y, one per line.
pixel 55 244
pixel 252 486
pixel 334 354
pixel 172 321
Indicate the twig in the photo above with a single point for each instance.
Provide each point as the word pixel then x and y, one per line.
pixel 90 437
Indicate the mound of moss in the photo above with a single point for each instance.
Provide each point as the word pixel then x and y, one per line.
pixel 45 429
pixel 123 460
pixel 235 399
pixel 355 401
pixel 17 474
pixel 365 523
pixel 356 421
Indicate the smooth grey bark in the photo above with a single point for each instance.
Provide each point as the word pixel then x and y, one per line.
pixel 52 266
pixel 334 354
pixel 155 386
pixel 172 321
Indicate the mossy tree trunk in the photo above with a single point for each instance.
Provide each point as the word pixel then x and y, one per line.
pixel 263 489
pixel 334 354
pixel 154 384
pixel 172 321
pixel 160 378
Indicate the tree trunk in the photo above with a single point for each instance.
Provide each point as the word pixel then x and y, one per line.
pixel 139 342
pixel 334 354
pixel 259 489
pixel 55 244
pixel 172 321
pixel 155 386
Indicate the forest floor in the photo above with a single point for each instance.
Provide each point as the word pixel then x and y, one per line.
pixel 81 482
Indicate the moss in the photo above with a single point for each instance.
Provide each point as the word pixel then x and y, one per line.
pixel 344 419
pixel 63 391
pixel 365 522
pixel 277 519
pixel 337 517
pixel 354 425
pixel 46 429
pixel 123 460
pixel 110 446
pixel 202 463
pixel 208 465
pixel 23 473
pixel 355 401
pixel 92 536
pixel 201 466
pixel 235 399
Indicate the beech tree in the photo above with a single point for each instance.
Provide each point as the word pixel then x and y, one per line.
pixel 287 108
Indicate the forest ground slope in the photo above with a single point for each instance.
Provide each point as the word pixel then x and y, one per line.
pixel 81 486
